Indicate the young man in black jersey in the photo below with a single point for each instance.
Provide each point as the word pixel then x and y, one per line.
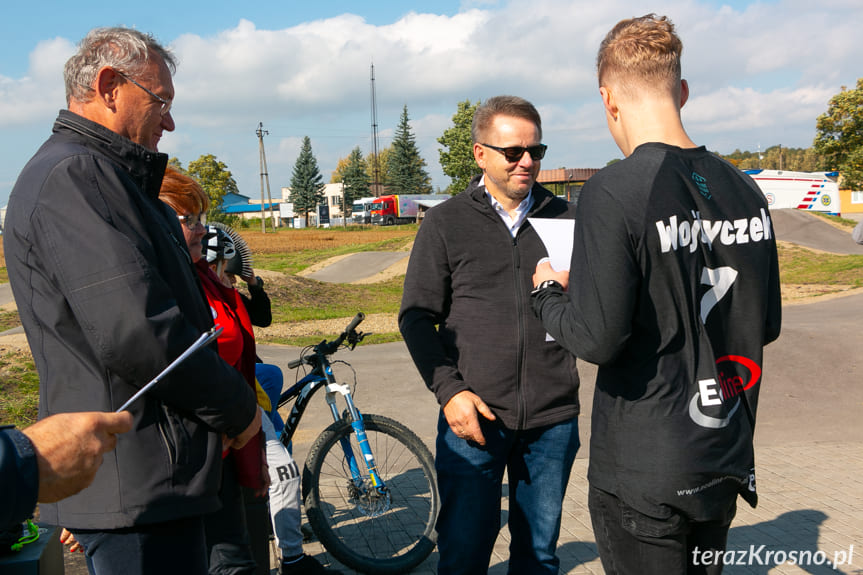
pixel 674 292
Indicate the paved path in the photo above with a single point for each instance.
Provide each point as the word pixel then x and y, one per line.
pixel 805 229
pixel 809 442
pixel 358 266
pixel 6 294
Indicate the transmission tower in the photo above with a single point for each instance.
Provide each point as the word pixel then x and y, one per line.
pixel 376 190
pixel 261 132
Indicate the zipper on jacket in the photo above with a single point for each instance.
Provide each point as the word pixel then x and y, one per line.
pixel 516 261
pixel 172 455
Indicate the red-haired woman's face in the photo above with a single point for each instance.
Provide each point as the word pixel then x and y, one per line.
pixel 194 230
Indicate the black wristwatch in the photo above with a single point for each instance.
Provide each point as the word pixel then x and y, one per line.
pixel 547 284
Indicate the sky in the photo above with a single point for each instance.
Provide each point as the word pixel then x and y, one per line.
pixel 759 72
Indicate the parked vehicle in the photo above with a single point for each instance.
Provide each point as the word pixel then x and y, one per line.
pixel 361 211
pixel 815 191
pixel 399 208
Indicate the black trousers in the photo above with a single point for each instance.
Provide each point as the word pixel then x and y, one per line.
pixel 631 543
pixel 227 536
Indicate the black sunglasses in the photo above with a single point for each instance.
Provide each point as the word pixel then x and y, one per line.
pixel 516 153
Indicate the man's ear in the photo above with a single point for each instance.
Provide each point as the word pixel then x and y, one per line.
pixel 608 101
pixel 479 155
pixel 684 92
pixel 107 83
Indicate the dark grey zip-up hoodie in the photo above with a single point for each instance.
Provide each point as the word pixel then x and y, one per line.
pixel 466 316
pixel 108 298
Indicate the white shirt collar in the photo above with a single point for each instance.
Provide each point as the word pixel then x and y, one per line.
pixel 512 224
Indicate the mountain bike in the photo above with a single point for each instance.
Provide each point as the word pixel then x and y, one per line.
pixel 369 484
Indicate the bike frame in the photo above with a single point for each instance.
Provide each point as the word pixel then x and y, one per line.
pixel 321 377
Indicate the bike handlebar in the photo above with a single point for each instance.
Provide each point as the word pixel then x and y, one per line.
pixel 358 319
pixel 333 346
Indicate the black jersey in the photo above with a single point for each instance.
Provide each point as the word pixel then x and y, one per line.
pixel 674 292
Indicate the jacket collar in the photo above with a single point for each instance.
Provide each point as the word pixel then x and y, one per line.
pixel 145 167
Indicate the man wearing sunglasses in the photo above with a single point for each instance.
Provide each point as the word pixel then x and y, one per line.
pixel 508 397
pixel 108 298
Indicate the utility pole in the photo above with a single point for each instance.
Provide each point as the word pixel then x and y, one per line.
pixel 376 191
pixel 344 205
pixel 261 132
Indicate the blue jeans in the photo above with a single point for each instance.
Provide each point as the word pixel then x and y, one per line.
pixel 631 543
pixel 470 477
pixel 170 548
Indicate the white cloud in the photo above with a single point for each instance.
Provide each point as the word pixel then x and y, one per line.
pixel 762 72
pixel 41 92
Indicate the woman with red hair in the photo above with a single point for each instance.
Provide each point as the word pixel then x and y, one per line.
pixel 227 536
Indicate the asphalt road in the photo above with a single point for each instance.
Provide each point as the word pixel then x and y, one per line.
pixel 812 374
pixel 805 229
pixel 358 266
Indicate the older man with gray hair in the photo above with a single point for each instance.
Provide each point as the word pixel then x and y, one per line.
pixel 108 298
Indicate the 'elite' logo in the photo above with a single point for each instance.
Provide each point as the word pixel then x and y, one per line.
pixel 716 402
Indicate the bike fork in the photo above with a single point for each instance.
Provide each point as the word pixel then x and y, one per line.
pixel 362 439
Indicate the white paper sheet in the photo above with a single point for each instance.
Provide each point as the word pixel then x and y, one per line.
pixel 556 236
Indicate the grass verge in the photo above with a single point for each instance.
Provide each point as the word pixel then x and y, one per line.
pixel 801 266
pixel 19 388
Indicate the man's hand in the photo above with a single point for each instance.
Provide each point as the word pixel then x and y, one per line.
pixel 242 439
pixel 462 411
pixel 69 448
pixel 544 272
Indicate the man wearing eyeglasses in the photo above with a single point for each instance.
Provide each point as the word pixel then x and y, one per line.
pixel 509 398
pixel 108 298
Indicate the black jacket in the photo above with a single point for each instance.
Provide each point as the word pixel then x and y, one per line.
pixel 466 316
pixel 108 298
pixel 674 291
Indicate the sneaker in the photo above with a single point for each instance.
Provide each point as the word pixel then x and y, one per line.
pixel 306 565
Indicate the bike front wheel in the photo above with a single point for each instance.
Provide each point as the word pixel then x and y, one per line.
pixel 375 531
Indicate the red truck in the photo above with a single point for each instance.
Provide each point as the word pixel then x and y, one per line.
pixel 399 208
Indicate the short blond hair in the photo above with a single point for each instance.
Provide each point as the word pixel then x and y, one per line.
pixel 641 54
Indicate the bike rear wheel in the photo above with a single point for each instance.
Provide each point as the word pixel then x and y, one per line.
pixel 366 530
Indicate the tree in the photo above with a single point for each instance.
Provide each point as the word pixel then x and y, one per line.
pixel 457 159
pixel 839 136
pixel 776 158
pixel 307 184
pixel 339 173
pixel 383 165
pixel 175 163
pixel 356 179
pixel 216 180
pixel 407 174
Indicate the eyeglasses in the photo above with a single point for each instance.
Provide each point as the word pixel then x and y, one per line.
pixel 516 153
pixel 192 220
pixel 166 104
